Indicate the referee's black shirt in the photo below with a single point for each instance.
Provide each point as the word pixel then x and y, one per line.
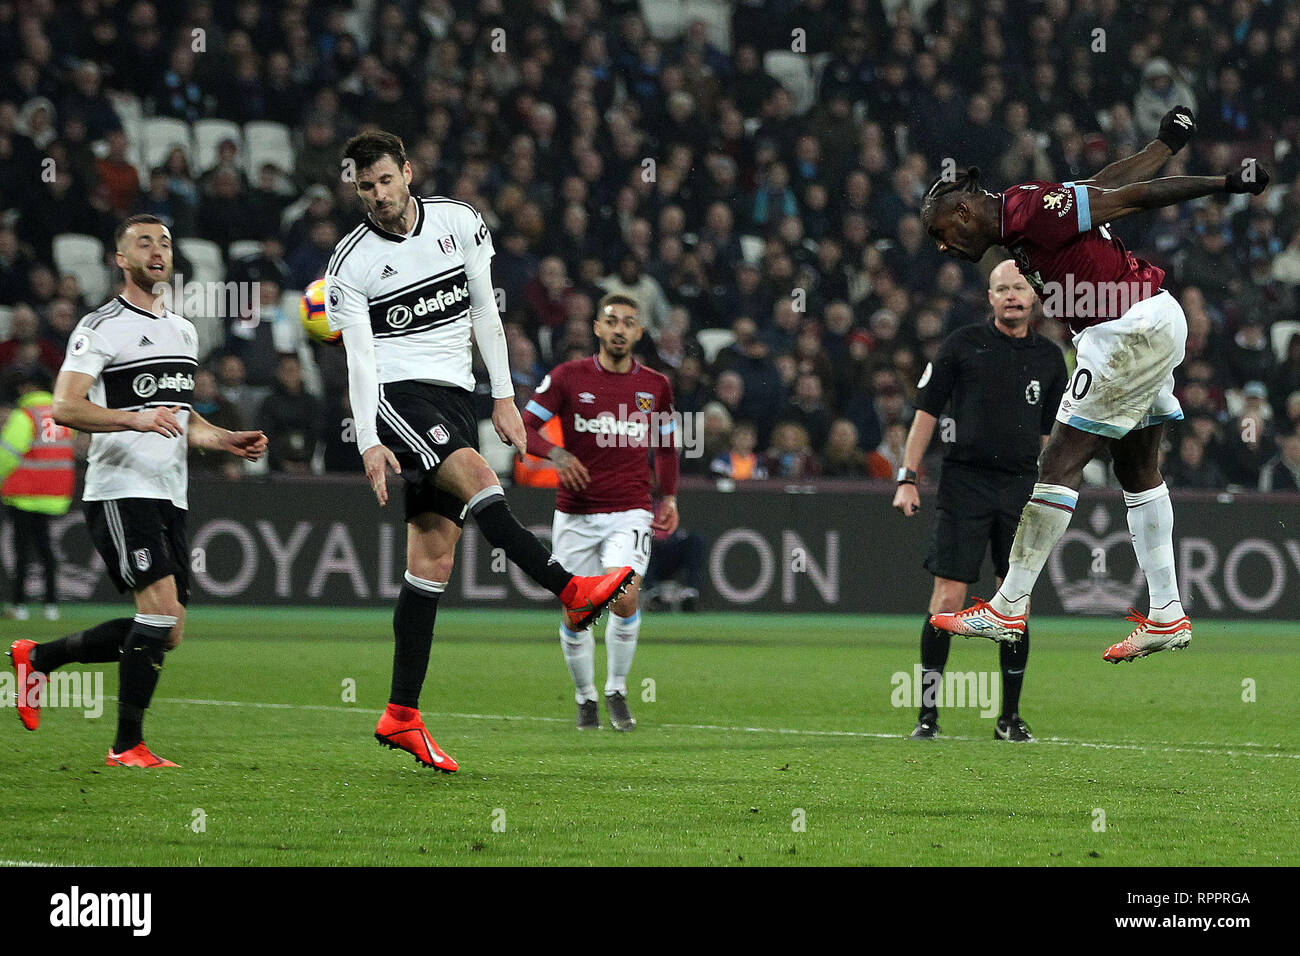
pixel 1004 394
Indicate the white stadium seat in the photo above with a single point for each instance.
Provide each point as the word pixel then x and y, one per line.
pixel 205 258
pixel 665 19
pixel 243 248
pixel 794 72
pixel 1281 334
pixel 208 134
pixel 499 456
pixel 267 142
pixel 751 247
pixel 211 329
pixel 716 15
pixel 714 341
pixel 158 136
pixel 83 256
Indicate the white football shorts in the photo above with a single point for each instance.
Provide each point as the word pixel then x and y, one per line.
pixel 1124 371
pixel 588 544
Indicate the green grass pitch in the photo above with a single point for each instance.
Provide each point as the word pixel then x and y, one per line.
pixel 771 739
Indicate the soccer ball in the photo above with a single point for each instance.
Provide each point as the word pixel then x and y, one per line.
pixel 312 312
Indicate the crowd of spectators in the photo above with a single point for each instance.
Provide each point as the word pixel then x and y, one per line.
pixel 753 178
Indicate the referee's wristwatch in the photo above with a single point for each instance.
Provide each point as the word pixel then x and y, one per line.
pixel 906 476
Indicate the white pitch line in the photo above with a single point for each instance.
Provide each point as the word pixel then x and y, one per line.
pixel 1154 746
pixel 26 863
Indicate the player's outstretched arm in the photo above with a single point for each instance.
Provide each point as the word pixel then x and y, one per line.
pixel 1177 127
pixel 1107 205
pixel 202 434
pixel 73 409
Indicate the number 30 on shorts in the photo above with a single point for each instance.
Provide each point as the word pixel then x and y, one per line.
pixel 1080 383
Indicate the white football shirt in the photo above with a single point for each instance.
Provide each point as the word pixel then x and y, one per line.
pixel 413 290
pixel 138 360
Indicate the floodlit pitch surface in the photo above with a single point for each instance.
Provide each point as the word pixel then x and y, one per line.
pixel 770 740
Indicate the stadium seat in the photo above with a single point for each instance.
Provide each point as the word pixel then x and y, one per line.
pixel 1281 333
pixel 211 330
pixel 794 72
pixel 714 341
pixel 267 142
pixel 205 259
pixel 665 19
pixel 716 15
pixel 208 134
pixel 751 247
pixel 819 61
pixel 243 248
pixel 499 456
pixel 83 256
pixel 290 300
pixel 159 134
pixel 6 321
pixel 126 105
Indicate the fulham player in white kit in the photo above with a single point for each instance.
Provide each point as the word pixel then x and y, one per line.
pixel 128 379
pixel 406 288
pixel 613 412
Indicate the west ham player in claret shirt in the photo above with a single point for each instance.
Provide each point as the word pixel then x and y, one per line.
pixel 615 413
pixel 1129 336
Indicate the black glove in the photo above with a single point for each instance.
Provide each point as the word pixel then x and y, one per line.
pixel 1177 127
pixel 1238 183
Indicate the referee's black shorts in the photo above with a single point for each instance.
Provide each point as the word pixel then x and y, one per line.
pixel 422 424
pixel 142 540
pixel 976 509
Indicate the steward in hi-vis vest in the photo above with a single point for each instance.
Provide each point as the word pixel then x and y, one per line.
pixel 37 480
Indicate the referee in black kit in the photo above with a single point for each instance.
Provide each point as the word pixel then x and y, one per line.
pixel 1005 383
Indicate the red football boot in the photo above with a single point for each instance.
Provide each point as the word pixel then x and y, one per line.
pixel 586 598
pixel 31 684
pixel 1149 637
pixel 138 756
pixel 409 734
pixel 980 620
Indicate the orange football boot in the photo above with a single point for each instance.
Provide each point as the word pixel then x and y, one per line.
pixel 589 596
pixel 138 756
pixel 31 683
pixel 1149 637
pixel 411 736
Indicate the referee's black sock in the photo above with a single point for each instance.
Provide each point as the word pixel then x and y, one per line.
pixel 101 644
pixel 503 530
pixel 142 661
pixel 934 655
pixel 1013 658
pixel 413 620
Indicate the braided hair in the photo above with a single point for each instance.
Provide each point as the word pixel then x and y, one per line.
pixel 967 181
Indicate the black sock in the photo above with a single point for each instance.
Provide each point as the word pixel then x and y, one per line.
pixel 1013 658
pixel 101 644
pixel 413 620
pixel 142 661
pixel 503 530
pixel 934 655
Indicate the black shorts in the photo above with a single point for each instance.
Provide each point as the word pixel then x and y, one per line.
pixel 422 424
pixel 142 540
pixel 977 509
